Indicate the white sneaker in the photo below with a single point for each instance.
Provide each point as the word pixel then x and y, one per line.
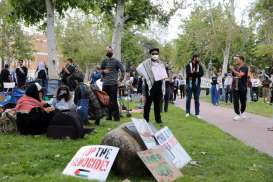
pixel 243 116
pixel 198 116
pixel 187 115
pixel 237 118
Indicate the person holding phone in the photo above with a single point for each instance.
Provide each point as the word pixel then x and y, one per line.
pixel 239 86
pixel 194 72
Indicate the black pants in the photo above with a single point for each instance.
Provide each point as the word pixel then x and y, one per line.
pixel 113 110
pixel 239 101
pixel 175 90
pixel 155 97
pixel 166 99
pixel 228 94
pixel 254 92
pixel 182 91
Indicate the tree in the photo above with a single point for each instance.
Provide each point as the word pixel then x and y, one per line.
pixel 126 13
pixel 14 42
pixel 262 14
pixel 35 11
pixel 81 40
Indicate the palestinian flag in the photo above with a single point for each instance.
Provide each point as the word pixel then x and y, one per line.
pixel 82 173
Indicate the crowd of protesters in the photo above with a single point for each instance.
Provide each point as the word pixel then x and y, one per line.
pixel 152 82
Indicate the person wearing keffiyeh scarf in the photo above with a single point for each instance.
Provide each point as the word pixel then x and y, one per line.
pixel 153 90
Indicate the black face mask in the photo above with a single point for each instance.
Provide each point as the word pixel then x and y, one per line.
pixel 109 54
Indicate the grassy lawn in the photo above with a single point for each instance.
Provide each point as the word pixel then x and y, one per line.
pixel 225 159
pixel 259 108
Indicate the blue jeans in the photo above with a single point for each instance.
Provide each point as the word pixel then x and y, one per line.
pixel 214 95
pixel 195 91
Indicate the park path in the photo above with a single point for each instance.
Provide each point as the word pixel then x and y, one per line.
pixel 252 131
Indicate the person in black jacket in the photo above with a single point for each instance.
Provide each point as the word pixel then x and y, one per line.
pixel 194 73
pixel 5 76
pixel 21 74
pixel 32 114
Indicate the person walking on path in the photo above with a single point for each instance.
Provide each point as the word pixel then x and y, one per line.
pixel 182 85
pixel 21 74
pixel 214 91
pixel 154 72
pixel 110 68
pixel 240 76
pixel 194 72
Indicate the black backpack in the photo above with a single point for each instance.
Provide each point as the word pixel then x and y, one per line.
pixel 65 124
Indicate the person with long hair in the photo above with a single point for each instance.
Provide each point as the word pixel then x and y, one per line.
pixel 63 99
pixel 33 117
pixel 194 71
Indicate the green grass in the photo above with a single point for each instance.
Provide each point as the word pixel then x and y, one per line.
pixel 38 159
pixel 259 108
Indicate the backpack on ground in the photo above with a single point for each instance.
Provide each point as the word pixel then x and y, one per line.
pixel 8 122
pixel 65 124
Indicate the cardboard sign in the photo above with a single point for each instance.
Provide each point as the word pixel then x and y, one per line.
pixel 145 132
pixel 158 166
pixel 159 72
pixel 92 162
pixel 174 151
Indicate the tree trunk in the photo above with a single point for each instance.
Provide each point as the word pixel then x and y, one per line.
pixel 226 57
pixel 118 29
pixel 51 41
pixel 226 52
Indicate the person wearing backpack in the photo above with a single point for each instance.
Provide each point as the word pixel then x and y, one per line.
pixel 87 101
pixel 67 73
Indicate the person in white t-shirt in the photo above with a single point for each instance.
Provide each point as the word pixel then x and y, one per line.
pixel 228 88
pixel 256 83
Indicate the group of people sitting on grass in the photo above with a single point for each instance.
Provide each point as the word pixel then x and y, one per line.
pixel 34 115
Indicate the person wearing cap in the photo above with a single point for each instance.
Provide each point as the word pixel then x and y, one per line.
pixel 153 87
pixel 110 68
pixel 239 86
pixel 194 72
pixel 32 117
